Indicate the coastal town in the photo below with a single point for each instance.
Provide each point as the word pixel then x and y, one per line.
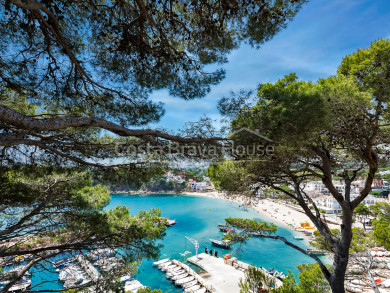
pixel 195 146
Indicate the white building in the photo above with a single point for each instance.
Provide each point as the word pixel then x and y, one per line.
pixel 331 205
pixel 328 203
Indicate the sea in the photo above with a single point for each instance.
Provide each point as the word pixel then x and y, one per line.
pixel 197 217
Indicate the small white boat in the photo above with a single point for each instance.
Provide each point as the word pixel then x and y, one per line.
pixel 298 237
pixel 166 268
pixel 190 284
pixel 184 280
pixel 181 276
pixel 160 266
pixel 170 275
pixel 170 222
pixel 133 286
pixel 175 269
pixel 192 289
pixel 161 261
pixel 221 243
pixel 201 290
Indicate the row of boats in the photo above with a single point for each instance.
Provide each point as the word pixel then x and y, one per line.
pixel 79 271
pixel 18 286
pixel 9 274
pixel 181 275
pixel 70 273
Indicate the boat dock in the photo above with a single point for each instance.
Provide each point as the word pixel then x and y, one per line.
pixel 88 268
pixel 222 277
pixel 182 275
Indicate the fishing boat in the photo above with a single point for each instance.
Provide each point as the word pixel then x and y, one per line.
pixel 298 237
pixel 221 243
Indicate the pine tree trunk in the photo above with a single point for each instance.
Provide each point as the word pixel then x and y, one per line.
pixel 341 256
pixel 340 263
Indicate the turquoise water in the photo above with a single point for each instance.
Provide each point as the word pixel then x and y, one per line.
pixel 197 217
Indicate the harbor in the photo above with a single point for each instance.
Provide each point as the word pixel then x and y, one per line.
pixel 195 217
pixel 223 275
pixel 199 219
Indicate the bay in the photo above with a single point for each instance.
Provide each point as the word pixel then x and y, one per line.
pixel 197 217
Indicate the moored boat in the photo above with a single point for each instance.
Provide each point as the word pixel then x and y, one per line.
pixel 180 276
pixel 161 261
pixel 189 284
pixel 192 289
pixel 171 274
pixel 161 266
pixel 166 268
pixel 221 243
pixel 184 280
pixel 224 228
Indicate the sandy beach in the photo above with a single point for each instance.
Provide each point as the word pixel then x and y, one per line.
pixel 271 210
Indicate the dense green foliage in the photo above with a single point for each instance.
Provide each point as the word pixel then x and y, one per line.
pixel 160 184
pixel 382 223
pixel 361 241
pixel 148 290
pixel 255 280
pixel 362 210
pixel 311 280
pixel 246 228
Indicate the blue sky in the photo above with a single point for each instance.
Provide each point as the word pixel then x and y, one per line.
pixel 312 45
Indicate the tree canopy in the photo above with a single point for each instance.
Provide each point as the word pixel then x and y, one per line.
pixel 72 68
pixel 332 128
